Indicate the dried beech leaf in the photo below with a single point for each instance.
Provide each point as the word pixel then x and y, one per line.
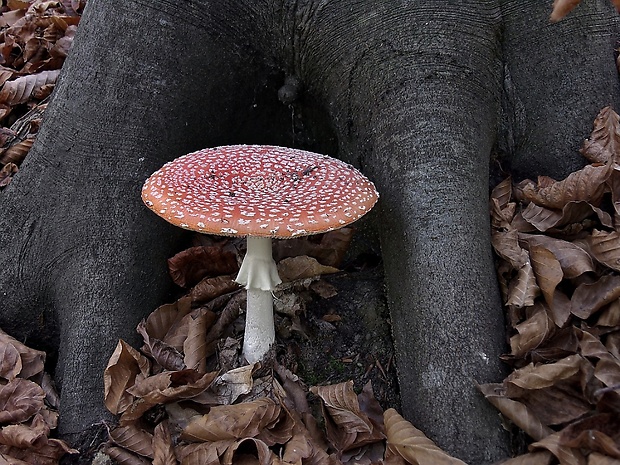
pixel 210 288
pixel 587 184
pixel 604 142
pixel 21 89
pixel 547 269
pixel 566 455
pixel 608 371
pixel 599 459
pixel 17 152
pixel 573 260
pixel 32 361
pixel 160 321
pixel 228 387
pixel 503 193
pixel 605 247
pixel 163 450
pixel 134 439
pixel 329 248
pixel 532 332
pixel 343 406
pixel 264 455
pixel 20 399
pixel 237 421
pixel 523 289
pixel 203 453
pixel 302 266
pixel 596 433
pixel 124 366
pixel 10 361
pixel 6 174
pixel 589 298
pixel 517 412
pixel 506 245
pixel 23 436
pixel 545 375
pixel 171 386
pixel 190 266
pixel 561 8
pixel 409 442
pixel 195 346
pixel 124 457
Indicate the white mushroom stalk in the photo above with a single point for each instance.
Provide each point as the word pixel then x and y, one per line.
pixel 259 275
pixel 262 192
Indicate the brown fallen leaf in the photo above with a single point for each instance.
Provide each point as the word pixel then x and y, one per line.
pixel 604 142
pixel 302 266
pixel 163 450
pixel 125 367
pixel 410 443
pixel 237 421
pixel 134 439
pixel 190 266
pixel 124 457
pixel 20 399
pixel 589 298
pixel 566 455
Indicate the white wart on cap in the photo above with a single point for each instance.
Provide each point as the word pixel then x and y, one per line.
pixel 257 190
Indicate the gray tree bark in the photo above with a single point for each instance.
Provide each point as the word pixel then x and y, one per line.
pixel 411 92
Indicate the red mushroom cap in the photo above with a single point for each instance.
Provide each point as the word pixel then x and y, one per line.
pixel 257 190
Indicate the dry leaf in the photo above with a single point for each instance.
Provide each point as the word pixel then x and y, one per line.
pixel 195 345
pixel 233 421
pixel 134 439
pixel 532 332
pixel 605 247
pixel 589 298
pixel 561 8
pixel 163 450
pixel 566 455
pixel 410 443
pixel 516 411
pixel 604 143
pixel 587 185
pixel 22 89
pixel 126 365
pixel 20 399
pixel 302 266
pixel 190 266
pixel 124 457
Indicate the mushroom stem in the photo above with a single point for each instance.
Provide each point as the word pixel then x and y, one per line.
pixel 259 326
pixel 259 275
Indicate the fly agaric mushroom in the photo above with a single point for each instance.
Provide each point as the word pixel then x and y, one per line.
pixel 261 192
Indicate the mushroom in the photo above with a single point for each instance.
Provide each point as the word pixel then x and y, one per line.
pixel 262 192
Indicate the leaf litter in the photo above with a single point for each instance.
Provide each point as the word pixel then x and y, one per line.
pixel 564 312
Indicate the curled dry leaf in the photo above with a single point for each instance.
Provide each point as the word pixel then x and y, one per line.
pixel 134 439
pixel 523 290
pixel 6 174
pixel 573 259
pixel 532 332
pixel 233 455
pixel 32 361
pixel 163 450
pixel 124 457
pixel 515 411
pixel 544 375
pixel 210 288
pixel 604 142
pixel 587 185
pixel 20 399
pixel 16 153
pixel 506 245
pixel 237 421
pixel 589 298
pixel 23 436
pixel 566 455
pixel 195 345
pixel 228 387
pixel 190 266
pixel 547 269
pixel 302 266
pixel 605 247
pixel 410 443
pixel 542 457
pixel 599 433
pixel 22 89
pixel 126 365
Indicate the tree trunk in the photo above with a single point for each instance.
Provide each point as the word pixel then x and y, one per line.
pixel 412 92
